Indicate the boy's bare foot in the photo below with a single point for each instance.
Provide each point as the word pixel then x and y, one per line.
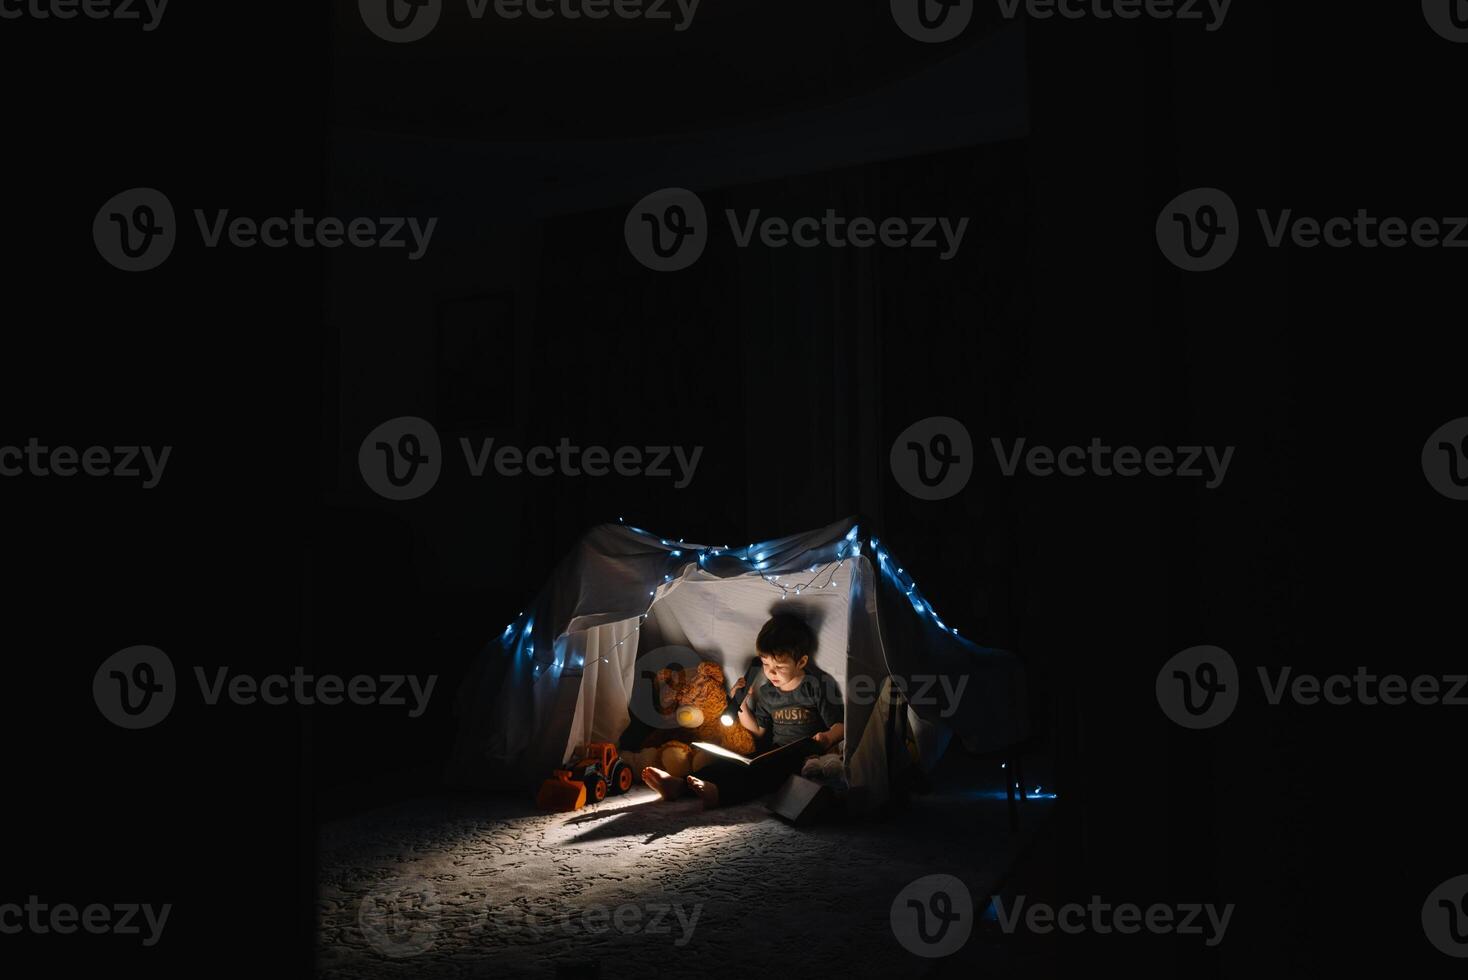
pixel 708 792
pixel 662 783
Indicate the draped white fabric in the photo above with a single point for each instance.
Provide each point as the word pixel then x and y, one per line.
pixel 574 665
pixel 608 655
pixel 712 618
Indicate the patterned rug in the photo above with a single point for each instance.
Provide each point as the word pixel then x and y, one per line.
pixel 634 887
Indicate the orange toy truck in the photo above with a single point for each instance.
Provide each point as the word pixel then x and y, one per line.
pixel 594 771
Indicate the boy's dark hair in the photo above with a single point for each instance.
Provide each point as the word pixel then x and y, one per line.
pixel 788 634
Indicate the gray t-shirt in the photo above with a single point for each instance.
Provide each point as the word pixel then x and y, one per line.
pixel 813 706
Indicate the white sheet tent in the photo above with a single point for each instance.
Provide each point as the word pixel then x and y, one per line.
pixel 574 666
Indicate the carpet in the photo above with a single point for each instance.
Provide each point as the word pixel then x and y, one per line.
pixel 460 888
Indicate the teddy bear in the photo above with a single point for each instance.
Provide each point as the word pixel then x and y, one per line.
pixel 695 701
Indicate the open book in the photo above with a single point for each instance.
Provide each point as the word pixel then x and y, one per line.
pixel 724 753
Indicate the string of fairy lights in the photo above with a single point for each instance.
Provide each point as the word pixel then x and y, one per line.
pixel 823 577
pixel 787 590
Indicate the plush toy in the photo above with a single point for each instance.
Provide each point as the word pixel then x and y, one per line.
pixel 695 700
pixel 674 758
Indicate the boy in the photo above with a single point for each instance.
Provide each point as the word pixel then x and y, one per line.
pixel 793 705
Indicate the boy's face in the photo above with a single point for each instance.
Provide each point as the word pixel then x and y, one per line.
pixel 781 669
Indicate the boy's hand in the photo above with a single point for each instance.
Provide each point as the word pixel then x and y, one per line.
pixel 822 739
pixel 738 686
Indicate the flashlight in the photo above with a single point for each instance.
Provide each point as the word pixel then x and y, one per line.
pixel 727 718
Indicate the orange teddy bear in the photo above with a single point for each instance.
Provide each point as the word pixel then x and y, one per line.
pixel 696 702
